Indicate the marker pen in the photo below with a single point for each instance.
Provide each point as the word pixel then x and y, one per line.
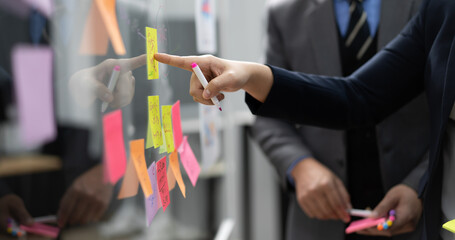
pixel 204 83
pixel 111 85
pixel 359 213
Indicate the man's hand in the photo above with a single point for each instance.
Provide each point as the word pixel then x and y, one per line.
pixel 12 206
pixel 408 209
pixel 86 200
pixel 89 84
pixel 319 192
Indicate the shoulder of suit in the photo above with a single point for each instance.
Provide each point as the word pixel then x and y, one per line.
pixel 285 6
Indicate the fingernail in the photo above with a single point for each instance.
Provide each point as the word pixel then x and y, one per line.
pixel 206 94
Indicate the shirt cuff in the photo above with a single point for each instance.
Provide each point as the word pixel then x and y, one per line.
pixel 291 167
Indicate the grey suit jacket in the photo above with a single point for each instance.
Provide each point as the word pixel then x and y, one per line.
pixel 302 36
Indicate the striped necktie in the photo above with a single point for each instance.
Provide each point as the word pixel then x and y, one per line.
pixel 358 38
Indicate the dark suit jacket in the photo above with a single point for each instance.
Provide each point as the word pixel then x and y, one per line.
pixel 302 36
pixel 421 58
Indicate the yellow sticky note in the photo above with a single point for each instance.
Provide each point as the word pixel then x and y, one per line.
pixel 167 126
pixel 155 120
pixel 130 182
pixel 174 162
pixel 152 48
pixel 450 225
pixel 163 146
pixel 138 157
pixel 149 141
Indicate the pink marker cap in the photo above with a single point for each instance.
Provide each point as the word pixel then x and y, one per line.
pixel 193 65
pixel 117 68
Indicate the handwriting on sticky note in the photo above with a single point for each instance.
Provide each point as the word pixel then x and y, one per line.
pixel 102 25
pixel 152 48
pixel 174 162
pixel 163 146
pixel 155 120
pixel 130 182
pixel 167 127
pixel 138 157
pixel 162 182
pixel 153 202
pixel 34 98
pixel 189 161
pixel 450 226
pixel 177 124
pixel 114 146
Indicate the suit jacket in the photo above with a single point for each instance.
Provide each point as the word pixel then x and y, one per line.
pixel 421 58
pixel 303 37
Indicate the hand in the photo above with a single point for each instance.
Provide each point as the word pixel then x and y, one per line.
pixel 86 200
pixel 408 209
pixel 320 193
pixel 88 84
pixel 223 75
pixel 12 206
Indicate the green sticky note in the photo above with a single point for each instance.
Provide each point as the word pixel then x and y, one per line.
pixel 450 225
pixel 149 142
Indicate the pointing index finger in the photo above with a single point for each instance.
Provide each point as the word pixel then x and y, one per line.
pixel 176 61
pixel 133 63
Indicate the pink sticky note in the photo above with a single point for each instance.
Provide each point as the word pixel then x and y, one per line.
pixel 114 147
pixel 363 224
pixel 32 72
pixel 153 202
pixel 189 161
pixel 177 124
pixel 42 229
pixel 163 188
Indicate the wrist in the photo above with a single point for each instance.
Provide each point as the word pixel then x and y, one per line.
pixel 303 164
pixel 259 81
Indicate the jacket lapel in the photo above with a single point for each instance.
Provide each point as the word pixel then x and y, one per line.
pixel 324 39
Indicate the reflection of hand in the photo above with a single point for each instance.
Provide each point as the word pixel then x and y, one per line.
pixel 223 75
pixel 90 83
pixel 11 206
pixel 408 209
pixel 320 193
pixel 86 200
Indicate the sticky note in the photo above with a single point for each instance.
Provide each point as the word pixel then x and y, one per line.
pixel 152 48
pixel 189 161
pixel 363 224
pixel 177 124
pixel 174 162
pixel 149 140
pixel 450 226
pixel 162 182
pixel 42 230
pixel 163 146
pixel 102 25
pixel 130 182
pixel 155 120
pixel 153 202
pixel 170 179
pixel 32 73
pixel 114 146
pixel 167 127
pixel 138 157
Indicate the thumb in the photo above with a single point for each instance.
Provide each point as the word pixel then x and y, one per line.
pixel 20 213
pixel 390 201
pixel 102 92
pixel 216 85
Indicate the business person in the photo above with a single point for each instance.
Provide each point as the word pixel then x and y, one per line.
pixel 324 171
pixel 420 59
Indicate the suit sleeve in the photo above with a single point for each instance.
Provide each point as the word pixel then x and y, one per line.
pixel 277 138
pixel 390 79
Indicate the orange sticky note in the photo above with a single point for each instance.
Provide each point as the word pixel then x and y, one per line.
pixel 170 179
pixel 155 120
pixel 138 157
pixel 167 126
pixel 152 48
pixel 130 182
pixel 174 162
pixel 102 25
pixel 114 146
pixel 162 182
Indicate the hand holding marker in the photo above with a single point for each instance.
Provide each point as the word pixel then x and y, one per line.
pixel 204 83
pixel 111 85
